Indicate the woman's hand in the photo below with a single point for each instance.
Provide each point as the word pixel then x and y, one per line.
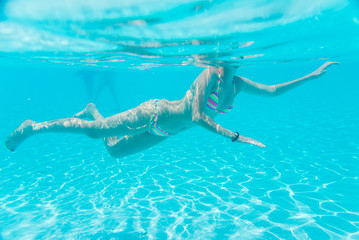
pixel 251 141
pixel 322 69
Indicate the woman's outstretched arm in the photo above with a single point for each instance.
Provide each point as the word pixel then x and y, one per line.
pixel 249 86
pixel 201 118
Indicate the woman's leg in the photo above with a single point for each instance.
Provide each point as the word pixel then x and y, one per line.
pixel 127 145
pixel 131 144
pixel 117 125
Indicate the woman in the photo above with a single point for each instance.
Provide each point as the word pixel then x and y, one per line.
pixel 212 93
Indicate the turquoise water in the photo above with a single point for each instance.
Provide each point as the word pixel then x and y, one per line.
pixel 195 185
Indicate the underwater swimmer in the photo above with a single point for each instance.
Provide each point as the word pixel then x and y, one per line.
pixel 142 127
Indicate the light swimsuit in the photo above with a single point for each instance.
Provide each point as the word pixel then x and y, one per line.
pixel 212 102
pixel 152 124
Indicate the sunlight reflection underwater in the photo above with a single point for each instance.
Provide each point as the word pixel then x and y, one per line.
pixel 181 32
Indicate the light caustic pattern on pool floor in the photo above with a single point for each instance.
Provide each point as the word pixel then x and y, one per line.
pixel 202 195
pixel 186 188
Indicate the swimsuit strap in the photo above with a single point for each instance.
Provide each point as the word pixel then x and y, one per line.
pixel 155 130
pixel 152 119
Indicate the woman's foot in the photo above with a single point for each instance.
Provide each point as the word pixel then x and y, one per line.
pixel 88 112
pixel 19 135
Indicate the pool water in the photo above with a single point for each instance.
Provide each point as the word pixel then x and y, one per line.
pixel 195 185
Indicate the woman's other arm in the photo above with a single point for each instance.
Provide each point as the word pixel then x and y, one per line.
pixel 251 87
